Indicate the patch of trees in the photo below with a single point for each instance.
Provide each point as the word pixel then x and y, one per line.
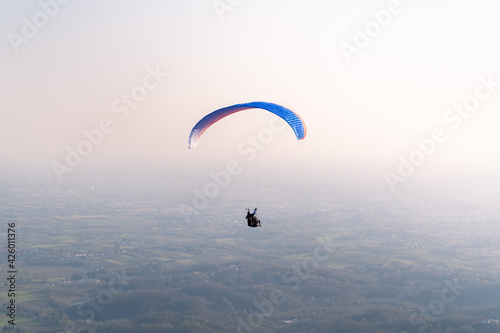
pixel 216 298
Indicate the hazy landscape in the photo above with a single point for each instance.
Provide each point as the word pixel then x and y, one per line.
pixel 136 134
pixel 102 255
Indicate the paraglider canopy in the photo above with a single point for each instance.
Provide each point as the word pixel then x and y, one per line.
pixel 293 119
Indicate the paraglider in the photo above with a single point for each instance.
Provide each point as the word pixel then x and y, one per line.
pixel 252 220
pixel 287 115
pixel 290 117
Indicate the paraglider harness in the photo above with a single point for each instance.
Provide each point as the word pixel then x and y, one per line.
pixel 252 220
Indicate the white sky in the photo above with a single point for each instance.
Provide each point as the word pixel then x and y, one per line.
pixel 360 116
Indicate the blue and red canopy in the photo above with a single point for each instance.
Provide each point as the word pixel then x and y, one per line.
pixel 293 119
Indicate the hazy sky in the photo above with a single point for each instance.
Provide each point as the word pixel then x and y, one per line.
pixel 369 78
